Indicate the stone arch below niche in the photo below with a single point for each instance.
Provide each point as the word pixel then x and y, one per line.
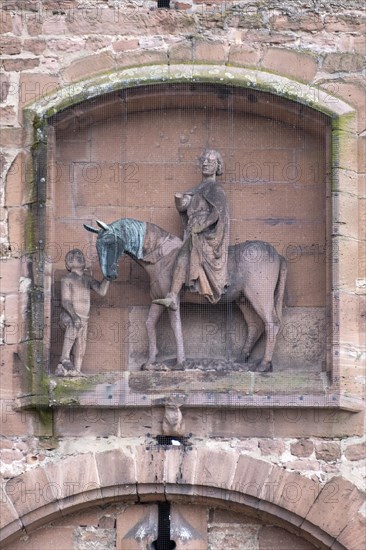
pixel 200 477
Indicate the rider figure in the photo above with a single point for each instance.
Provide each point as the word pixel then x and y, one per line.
pixel 202 261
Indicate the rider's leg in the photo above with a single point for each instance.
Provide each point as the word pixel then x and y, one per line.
pixel 179 277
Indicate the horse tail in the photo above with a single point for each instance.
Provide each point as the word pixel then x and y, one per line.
pixel 280 288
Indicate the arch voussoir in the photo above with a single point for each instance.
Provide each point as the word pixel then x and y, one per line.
pixel 241 482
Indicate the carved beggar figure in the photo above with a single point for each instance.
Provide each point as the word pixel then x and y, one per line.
pixel 202 261
pixel 75 299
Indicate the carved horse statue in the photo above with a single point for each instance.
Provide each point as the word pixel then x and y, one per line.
pixel 257 276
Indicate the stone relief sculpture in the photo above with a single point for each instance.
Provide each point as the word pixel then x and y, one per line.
pixel 201 263
pixel 75 300
pixel 173 422
pixel 251 274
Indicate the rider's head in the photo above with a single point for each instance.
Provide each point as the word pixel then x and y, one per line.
pixel 212 163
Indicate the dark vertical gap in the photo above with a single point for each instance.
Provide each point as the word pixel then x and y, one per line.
pixel 163 541
pixel 164 4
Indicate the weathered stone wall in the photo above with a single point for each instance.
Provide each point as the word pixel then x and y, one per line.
pixel 48 45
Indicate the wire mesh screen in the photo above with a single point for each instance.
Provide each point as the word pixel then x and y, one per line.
pixel 125 156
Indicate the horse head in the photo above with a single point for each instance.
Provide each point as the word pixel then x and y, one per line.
pixel 108 248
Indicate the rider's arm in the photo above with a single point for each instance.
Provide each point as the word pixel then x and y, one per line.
pixel 182 201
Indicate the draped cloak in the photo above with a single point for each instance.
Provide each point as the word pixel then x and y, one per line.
pixel 208 250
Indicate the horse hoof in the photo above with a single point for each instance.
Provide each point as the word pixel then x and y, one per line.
pixel 180 366
pixel 265 367
pixel 146 366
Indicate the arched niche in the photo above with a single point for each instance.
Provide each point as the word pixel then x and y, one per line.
pixel 120 146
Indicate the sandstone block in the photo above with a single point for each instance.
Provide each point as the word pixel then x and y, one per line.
pixel 33 86
pixel 9 522
pixel 34 45
pixel 293 64
pixel 181 52
pixel 173 462
pixel 265 36
pixel 351 317
pixel 210 52
pixel 4 86
pixel 356 452
pixel 251 476
pixel 8 115
pixel 10 45
pixel 291 491
pixel 345 221
pixel 14 423
pixel 360 44
pixel 182 6
pixel 242 54
pixel 347 181
pixel 345 260
pixel 302 21
pixel 276 538
pixel 32 496
pixel 22 64
pixel 90 422
pixel 187 465
pixel 115 468
pixel 328 451
pixel 123 45
pixel 9 275
pixel 215 468
pixel 6 24
pixel 328 512
pixel 141 57
pixel 96 43
pixel 353 93
pixel 16 220
pixel 345 23
pixel 50 537
pixel 343 62
pixel 347 150
pixel 302 448
pixel 11 137
pixel 15 180
pixel 88 66
pixel 149 465
pixel 74 480
pixel 8 455
pixel 354 534
pixel 362 154
pixel 303 465
pixel 271 447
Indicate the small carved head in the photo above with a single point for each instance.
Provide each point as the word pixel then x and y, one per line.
pixel 74 259
pixel 212 162
pixel 173 423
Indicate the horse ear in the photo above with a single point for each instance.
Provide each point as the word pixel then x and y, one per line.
pixel 90 228
pixel 102 225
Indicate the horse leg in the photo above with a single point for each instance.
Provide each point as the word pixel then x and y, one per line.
pixel 272 327
pixel 153 317
pixel 263 303
pixel 254 327
pixel 176 324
